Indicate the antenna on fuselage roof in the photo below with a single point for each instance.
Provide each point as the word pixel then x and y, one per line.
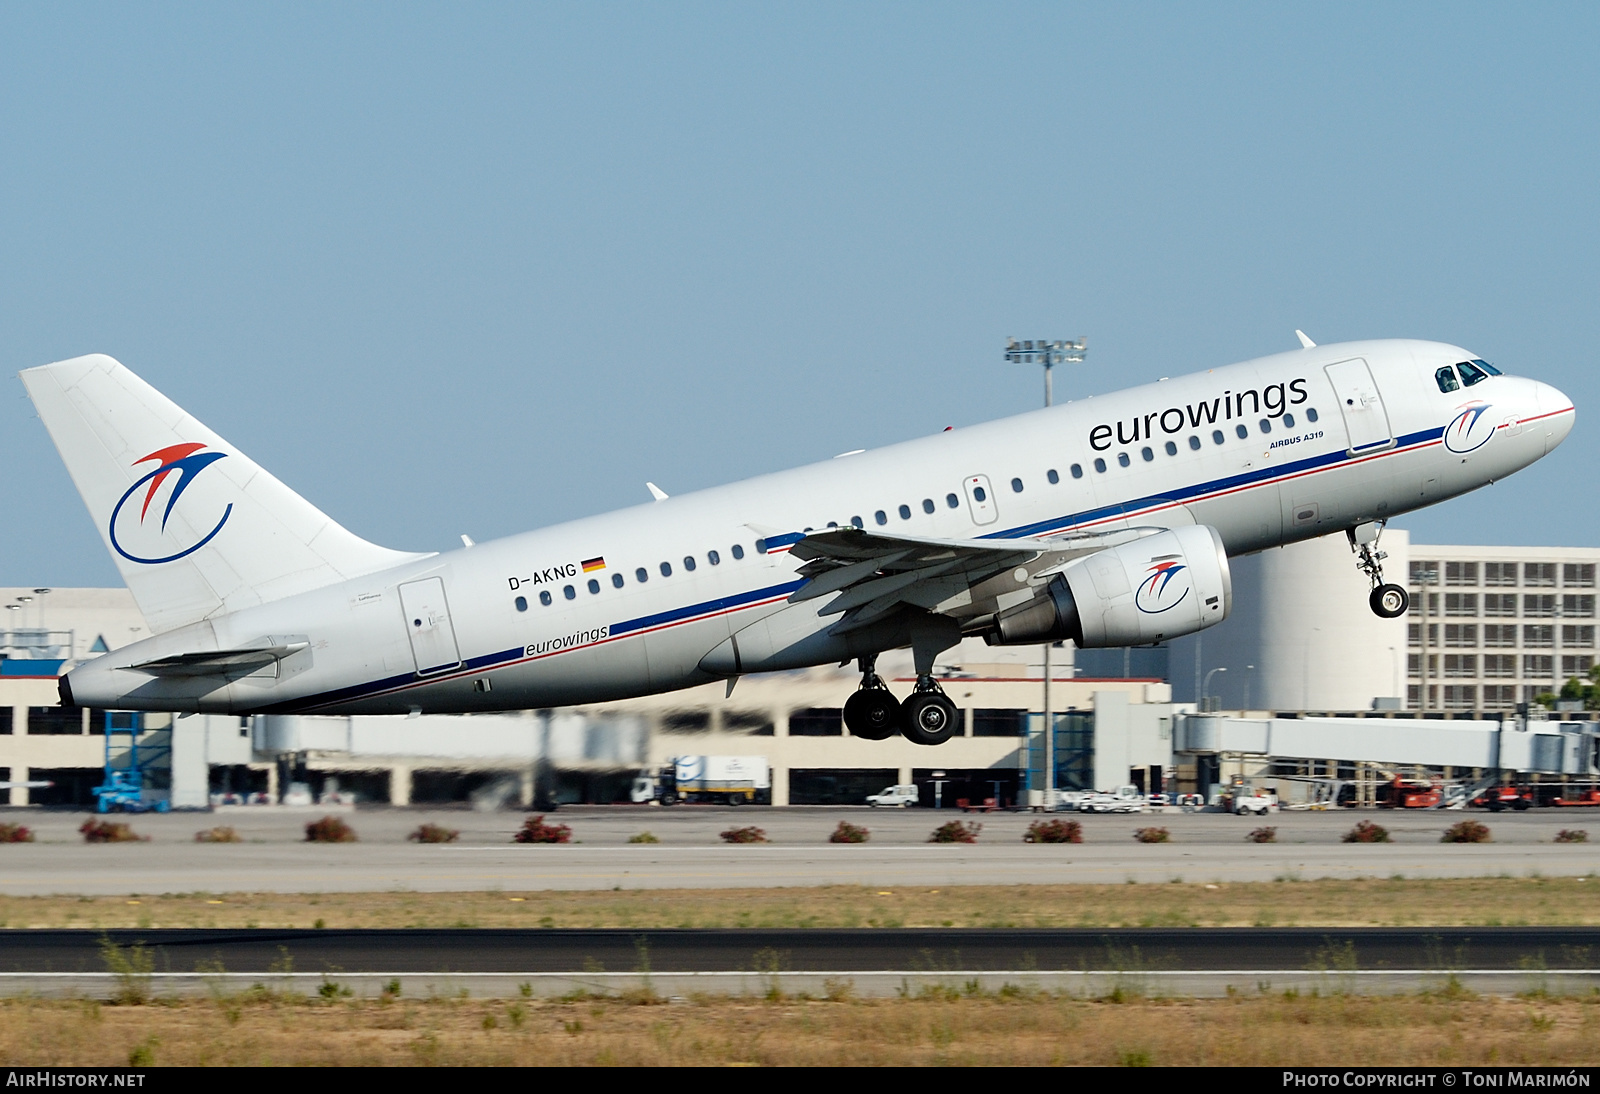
pixel 1305 343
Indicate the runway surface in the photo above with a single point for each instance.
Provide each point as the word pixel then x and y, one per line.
pixel 1203 847
pixel 811 950
pixel 1193 961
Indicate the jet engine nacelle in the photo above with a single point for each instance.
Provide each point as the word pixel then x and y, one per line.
pixel 1172 583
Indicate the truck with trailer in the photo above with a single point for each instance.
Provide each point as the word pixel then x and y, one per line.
pixel 726 780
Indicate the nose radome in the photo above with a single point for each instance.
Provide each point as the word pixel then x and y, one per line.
pixel 1556 414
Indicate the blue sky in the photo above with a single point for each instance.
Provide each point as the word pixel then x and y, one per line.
pixel 481 268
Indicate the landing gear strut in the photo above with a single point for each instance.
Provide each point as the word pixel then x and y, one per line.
pixel 872 713
pixel 1387 601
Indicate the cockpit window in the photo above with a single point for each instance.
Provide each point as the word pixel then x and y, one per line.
pixel 1446 379
pixel 1471 373
pixel 1486 366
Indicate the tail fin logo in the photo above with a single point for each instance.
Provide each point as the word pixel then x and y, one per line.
pixel 145 534
pixel 1157 592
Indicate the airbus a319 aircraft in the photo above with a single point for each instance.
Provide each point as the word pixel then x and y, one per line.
pixel 1106 522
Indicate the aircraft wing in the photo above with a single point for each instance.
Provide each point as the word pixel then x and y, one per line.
pixel 875 575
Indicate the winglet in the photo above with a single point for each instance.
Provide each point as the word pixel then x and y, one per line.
pixel 1305 343
pixel 656 491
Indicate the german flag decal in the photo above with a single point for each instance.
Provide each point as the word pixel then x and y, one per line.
pixel 590 565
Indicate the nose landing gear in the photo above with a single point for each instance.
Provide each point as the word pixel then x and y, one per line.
pixel 1388 601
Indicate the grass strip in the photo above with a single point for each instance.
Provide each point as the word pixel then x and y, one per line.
pixel 1445 902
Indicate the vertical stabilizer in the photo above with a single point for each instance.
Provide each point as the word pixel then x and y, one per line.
pixel 195 526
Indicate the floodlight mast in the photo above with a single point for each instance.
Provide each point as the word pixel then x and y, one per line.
pixel 1043 351
pixel 1048 353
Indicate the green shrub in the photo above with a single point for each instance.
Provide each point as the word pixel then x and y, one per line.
pixel 434 833
pixel 15 833
pixel 330 829
pixel 221 834
pixel 956 832
pixel 1054 831
pixel 849 833
pixel 1152 835
pixel 749 834
pixel 1263 835
pixel 644 837
pixel 99 831
pixel 1467 831
pixel 1366 832
pixel 535 830
pixel 1572 835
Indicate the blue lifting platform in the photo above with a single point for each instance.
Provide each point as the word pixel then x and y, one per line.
pixel 122 787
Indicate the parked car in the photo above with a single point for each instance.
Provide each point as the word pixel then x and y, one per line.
pixel 899 795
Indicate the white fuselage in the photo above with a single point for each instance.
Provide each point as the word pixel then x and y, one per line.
pixel 696 568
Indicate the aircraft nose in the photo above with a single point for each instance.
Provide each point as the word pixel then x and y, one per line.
pixel 1556 414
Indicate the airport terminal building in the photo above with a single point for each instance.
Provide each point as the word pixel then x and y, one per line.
pixel 1316 688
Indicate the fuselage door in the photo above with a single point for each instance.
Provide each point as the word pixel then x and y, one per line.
pixel 433 639
pixel 980 500
pixel 1365 419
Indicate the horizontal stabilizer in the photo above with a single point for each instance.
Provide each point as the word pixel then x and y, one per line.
pixel 218 662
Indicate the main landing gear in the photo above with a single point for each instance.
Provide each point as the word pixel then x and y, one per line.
pixel 927 717
pixel 1387 601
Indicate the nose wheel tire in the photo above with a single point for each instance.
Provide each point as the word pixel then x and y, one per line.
pixel 872 714
pixel 1389 601
pixel 929 718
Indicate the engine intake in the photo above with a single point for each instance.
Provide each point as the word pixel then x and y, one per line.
pixel 1172 583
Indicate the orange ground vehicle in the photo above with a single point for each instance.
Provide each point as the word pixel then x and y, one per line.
pixel 1403 793
pixel 1498 798
pixel 1586 797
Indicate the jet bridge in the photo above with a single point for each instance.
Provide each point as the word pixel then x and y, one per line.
pixel 1512 744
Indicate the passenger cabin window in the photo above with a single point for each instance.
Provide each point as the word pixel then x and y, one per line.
pixel 522 603
pixel 1471 373
pixel 1446 379
pixel 1311 413
pixel 1217 437
pixel 1288 421
pixel 979 494
pixel 569 592
pixel 881 517
pixel 1077 471
pixel 1147 454
pixel 738 551
pixel 544 597
pixel 666 569
pixel 1266 425
pixel 1016 486
pixel 1194 443
pixel 641 575
pixel 688 562
pixel 951 501
pixel 594 586
pixel 1122 459
pixel 616 581
pixel 1172 449
pixel 761 546
pixel 927 505
pixel 855 522
pixel 1241 431
pixel 905 511
pixel 1099 464
pixel 716 559
pixel 1052 476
